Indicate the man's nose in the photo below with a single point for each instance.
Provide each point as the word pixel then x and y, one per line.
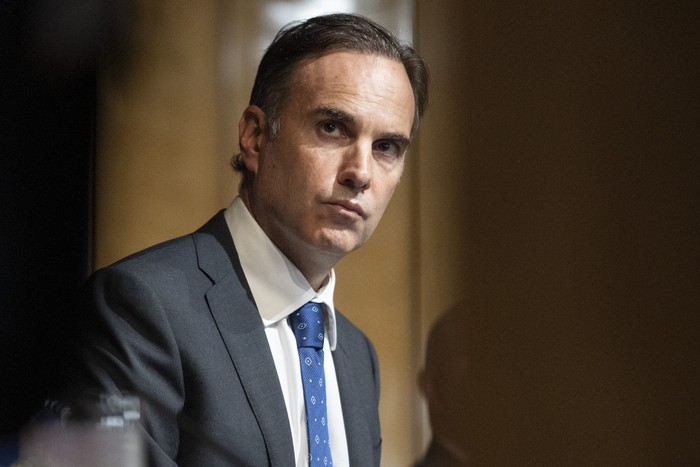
pixel 356 169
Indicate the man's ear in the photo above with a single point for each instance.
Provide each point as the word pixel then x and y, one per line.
pixel 252 130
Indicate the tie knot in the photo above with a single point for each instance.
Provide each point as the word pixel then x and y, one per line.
pixel 307 324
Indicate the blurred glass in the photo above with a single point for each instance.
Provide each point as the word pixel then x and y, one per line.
pixel 93 432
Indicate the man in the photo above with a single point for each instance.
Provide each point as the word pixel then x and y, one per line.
pixel 199 327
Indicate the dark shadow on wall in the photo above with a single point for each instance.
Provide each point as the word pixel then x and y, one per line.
pixel 48 88
pixel 574 147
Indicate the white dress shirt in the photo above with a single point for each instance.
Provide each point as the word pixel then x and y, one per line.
pixel 279 288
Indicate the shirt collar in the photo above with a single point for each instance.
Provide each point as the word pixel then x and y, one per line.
pixel 277 285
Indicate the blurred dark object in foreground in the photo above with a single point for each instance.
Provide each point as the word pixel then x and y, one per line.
pixel 101 430
pixel 47 143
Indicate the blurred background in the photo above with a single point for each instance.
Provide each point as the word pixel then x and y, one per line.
pixel 552 193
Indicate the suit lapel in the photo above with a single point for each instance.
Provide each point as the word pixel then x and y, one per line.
pixel 242 331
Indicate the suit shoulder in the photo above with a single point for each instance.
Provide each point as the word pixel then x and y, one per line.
pixel 210 247
pixel 344 323
pixel 192 261
pixel 350 334
pixel 171 251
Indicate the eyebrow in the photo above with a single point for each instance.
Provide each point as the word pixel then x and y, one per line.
pixel 342 116
pixel 336 114
pixel 398 138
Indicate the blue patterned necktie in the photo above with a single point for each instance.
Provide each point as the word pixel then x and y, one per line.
pixel 307 324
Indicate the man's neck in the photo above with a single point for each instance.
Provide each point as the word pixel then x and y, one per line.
pixel 315 266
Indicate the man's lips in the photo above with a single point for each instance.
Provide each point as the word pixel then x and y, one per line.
pixel 350 205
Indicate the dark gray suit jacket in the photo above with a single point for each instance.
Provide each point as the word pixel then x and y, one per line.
pixel 176 324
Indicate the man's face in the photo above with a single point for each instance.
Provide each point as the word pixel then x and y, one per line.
pixel 321 186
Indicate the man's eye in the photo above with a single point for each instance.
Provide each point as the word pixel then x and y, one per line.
pixel 387 148
pixel 330 127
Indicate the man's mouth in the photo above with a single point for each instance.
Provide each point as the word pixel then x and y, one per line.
pixel 352 207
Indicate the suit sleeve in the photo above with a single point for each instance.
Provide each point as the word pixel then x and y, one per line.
pixel 127 347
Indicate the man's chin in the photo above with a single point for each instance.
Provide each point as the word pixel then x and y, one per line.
pixel 340 243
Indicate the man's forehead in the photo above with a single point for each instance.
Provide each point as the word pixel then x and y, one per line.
pixel 344 75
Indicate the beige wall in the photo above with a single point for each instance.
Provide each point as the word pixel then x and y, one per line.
pixel 162 151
